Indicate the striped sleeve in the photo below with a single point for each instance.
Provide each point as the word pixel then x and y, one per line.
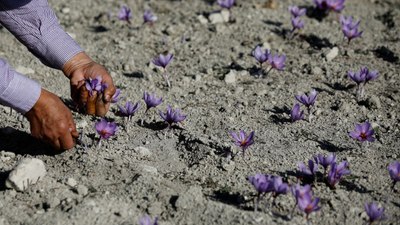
pixel 16 90
pixel 35 24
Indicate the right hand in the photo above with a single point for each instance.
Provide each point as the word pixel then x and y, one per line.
pixel 51 121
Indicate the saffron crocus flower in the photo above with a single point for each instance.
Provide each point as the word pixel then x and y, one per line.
pixel 321 4
pixel 93 85
pixel 374 212
pixel 146 220
pixel 151 100
pixel 310 170
pixel 296 113
pixel 163 61
pixel 350 28
pixel 262 183
pixel 243 140
pixel 129 109
pixel 277 61
pixel 337 172
pixel 361 78
pixel 226 4
pixel 335 5
pixel 106 129
pixel 115 98
pixel 308 101
pixel 297 24
pixel 363 132
pixel 149 17
pixel 125 14
pixel 296 11
pixel 172 116
pixel 308 204
pixel 279 186
pixel 299 191
pixel 394 172
pixel 325 161
pixel 260 55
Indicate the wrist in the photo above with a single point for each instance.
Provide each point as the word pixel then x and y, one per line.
pixel 78 61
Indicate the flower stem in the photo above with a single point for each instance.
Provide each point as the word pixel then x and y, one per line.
pixel 166 78
pixel 309 114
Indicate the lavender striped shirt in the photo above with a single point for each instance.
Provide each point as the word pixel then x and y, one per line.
pixel 35 25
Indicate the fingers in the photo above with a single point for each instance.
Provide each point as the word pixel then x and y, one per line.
pixel 66 141
pixel 83 97
pixel 100 106
pixel 91 104
pixel 109 91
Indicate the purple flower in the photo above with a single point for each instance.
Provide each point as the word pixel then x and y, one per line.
pixel 296 11
pixel 350 28
pixel 115 97
pixel 163 60
pixel 363 132
pixel 125 14
pixel 279 186
pixel 337 172
pixel 242 140
pixel 308 204
pixel 374 212
pixel 106 129
pixel 296 113
pixel 307 100
pixel 335 5
pixel 149 17
pixel 129 109
pixel 260 55
pixel 321 4
pixel 151 100
pixel 358 77
pixel 262 183
pixel 277 62
pixel 227 4
pixel 172 116
pixel 93 85
pixel 325 161
pixel 394 171
pixel 309 170
pixel 299 191
pixel 146 220
pixel 297 23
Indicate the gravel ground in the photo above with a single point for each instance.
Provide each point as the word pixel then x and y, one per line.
pixel 181 175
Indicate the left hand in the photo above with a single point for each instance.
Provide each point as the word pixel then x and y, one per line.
pixel 80 68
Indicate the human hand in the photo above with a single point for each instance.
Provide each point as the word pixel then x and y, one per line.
pixel 80 68
pixel 51 121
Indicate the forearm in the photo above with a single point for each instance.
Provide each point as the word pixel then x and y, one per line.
pixel 36 26
pixel 16 90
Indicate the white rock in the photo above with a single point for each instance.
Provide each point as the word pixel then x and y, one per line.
pixel 65 10
pixel 216 18
pixel 81 124
pixel 82 190
pixel 202 19
pixel 266 45
pixel 142 151
pixel 230 77
pixel 332 54
pixel 24 70
pixel 226 15
pixel 71 182
pixel 28 171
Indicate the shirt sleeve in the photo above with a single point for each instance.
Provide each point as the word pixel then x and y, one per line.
pixel 16 90
pixel 35 24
